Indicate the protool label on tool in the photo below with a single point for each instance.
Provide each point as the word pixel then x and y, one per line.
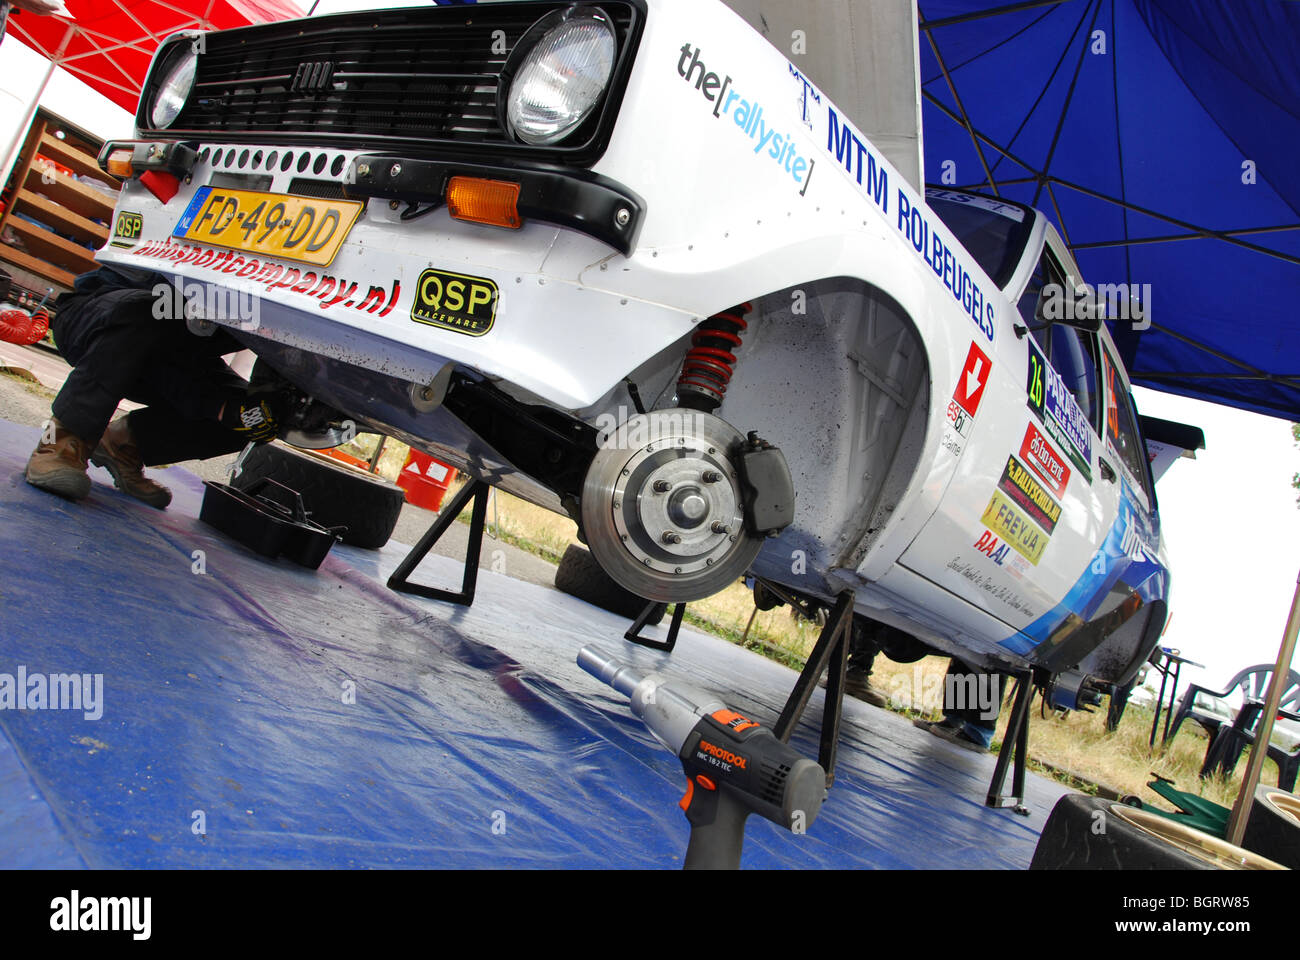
pixel 721 757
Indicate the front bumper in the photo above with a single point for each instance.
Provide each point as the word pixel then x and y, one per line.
pixel 553 336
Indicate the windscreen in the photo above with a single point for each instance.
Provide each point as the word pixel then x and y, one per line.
pixel 992 230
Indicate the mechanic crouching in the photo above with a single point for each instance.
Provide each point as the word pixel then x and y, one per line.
pixel 122 346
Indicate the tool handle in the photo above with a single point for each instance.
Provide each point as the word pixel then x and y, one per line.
pixel 717 830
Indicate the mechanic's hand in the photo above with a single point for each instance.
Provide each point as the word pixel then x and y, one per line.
pixel 257 415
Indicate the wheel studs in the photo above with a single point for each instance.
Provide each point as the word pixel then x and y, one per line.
pixel 670 537
pixel 712 476
pixel 662 486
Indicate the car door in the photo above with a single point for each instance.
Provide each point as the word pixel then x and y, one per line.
pixel 1017 530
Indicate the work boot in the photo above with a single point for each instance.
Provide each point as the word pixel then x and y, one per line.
pixel 118 454
pixel 857 683
pixel 58 464
pixel 954 731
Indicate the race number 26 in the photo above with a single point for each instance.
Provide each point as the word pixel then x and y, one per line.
pixel 1035 387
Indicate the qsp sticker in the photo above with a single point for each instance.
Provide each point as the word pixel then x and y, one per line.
pixel 455 301
pixel 127 229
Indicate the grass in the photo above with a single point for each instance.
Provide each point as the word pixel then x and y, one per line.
pixel 1074 748
pixel 29 382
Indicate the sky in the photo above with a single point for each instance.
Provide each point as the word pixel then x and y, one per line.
pixel 1232 528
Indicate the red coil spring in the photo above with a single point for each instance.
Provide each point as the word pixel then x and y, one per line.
pixel 708 365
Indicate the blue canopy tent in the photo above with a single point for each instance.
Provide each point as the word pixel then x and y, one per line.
pixel 1161 137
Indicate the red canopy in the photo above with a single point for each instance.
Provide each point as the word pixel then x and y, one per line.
pixel 109 43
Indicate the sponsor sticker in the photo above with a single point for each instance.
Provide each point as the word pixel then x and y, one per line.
pixel 1037 451
pixel 1054 405
pixel 455 301
pixel 1006 210
pixel 330 290
pixel 771 140
pixel 1020 485
pixel 959 419
pixel 965 400
pixel 127 229
pixel 974 377
pixel 992 547
pixel 1005 519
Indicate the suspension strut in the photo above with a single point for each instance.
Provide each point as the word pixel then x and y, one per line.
pixel 709 363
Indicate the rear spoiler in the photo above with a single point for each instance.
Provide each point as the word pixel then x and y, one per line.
pixel 1167 441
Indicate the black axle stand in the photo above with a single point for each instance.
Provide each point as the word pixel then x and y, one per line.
pixel 634 632
pixel 1015 747
pixel 832 650
pixel 400 580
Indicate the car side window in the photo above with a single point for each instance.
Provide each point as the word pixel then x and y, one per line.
pixel 1121 428
pixel 1029 300
pixel 1071 352
pixel 1073 357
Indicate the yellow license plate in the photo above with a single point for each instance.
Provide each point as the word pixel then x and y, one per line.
pixel 306 229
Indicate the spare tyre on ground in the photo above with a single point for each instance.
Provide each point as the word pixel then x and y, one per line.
pixel 579 575
pixel 1092 833
pixel 335 494
pixel 1273 830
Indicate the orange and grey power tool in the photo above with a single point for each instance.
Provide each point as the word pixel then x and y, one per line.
pixel 733 766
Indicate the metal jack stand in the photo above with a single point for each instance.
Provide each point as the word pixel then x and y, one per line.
pixel 1015 746
pixel 634 632
pixel 832 650
pixel 476 490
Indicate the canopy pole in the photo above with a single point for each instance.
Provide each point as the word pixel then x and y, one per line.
pixel 1259 749
pixel 15 145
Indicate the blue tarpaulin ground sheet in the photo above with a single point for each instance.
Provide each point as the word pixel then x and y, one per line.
pixel 255 714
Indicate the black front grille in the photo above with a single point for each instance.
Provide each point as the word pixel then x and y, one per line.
pixel 423 78
pixel 322 189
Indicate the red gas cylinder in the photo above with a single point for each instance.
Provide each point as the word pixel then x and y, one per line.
pixel 425 480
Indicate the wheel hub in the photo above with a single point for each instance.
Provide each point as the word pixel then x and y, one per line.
pixel 662 509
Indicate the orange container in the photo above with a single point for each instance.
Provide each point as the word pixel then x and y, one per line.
pixel 425 480
pixel 343 456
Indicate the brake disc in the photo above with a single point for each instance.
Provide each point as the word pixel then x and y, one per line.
pixel 662 508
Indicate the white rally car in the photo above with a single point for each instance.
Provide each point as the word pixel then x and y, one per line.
pixel 622 259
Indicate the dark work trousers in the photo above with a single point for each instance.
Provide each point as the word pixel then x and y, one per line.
pixel 120 351
pixel 972 686
pixel 863 646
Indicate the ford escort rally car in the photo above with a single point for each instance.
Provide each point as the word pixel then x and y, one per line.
pixel 624 260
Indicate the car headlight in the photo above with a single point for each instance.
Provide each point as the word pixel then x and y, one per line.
pixel 174 89
pixel 558 73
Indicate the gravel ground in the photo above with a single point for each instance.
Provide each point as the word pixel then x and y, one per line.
pixel 29 404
